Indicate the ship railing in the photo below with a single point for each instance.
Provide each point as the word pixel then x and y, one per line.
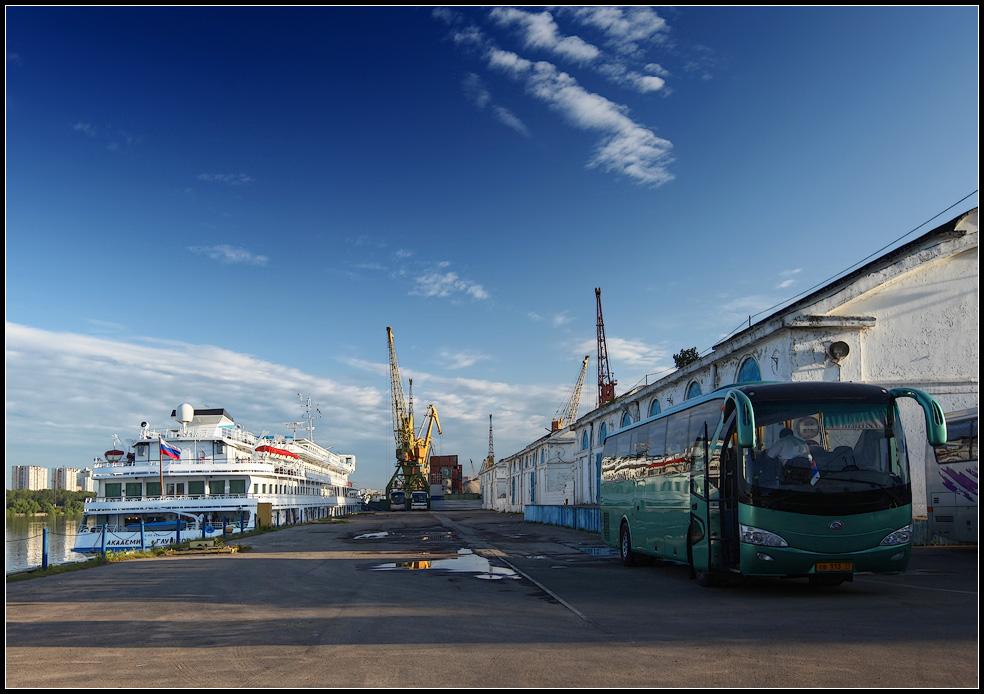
pixel 201 433
pixel 166 498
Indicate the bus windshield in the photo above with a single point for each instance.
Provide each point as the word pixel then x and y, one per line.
pixel 838 454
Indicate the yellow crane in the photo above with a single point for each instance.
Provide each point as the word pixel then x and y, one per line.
pixel 569 412
pixel 412 445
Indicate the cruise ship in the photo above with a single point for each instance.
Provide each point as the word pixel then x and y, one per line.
pixel 208 478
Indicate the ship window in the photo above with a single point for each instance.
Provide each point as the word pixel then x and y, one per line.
pixel 196 487
pixel 216 487
pixel 256 488
pixel 134 488
pixel 153 489
pixel 114 489
pixel 237 486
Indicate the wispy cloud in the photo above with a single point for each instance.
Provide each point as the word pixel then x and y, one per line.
pixel 230 255
pixel 560 319
pixel 447 284
pixel 539 30
pixel 479 95
pixel 87 129
pixel 627 30
pixel 74 391
pixel 461 359
pixel 788 278
pixel 626 147
pixel 239 179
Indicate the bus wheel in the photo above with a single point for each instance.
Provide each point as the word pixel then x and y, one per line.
pixel 625 552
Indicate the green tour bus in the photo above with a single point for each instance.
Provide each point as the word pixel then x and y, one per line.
pixel 768 479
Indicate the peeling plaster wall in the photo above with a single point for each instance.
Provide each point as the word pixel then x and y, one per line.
pixel 910 320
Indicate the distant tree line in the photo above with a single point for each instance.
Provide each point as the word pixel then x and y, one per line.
pixel 50 501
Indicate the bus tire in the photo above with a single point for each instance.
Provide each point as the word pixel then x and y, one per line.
pixel 625 552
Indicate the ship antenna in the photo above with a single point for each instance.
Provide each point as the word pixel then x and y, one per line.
pixel 310 416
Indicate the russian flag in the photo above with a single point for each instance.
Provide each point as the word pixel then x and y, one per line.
pixel 170 451
pixel 814 472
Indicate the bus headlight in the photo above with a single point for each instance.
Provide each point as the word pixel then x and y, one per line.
pixel 899 537
pixel 757 536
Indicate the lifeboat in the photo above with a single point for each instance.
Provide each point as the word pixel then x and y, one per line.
pixel 277 452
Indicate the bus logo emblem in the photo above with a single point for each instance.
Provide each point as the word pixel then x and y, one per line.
pixel 836 525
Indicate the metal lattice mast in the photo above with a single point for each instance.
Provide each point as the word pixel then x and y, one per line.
pixel 490 460
pixel 606 385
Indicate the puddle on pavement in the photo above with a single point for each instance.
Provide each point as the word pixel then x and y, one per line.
pixel 370 536
pixel 466 561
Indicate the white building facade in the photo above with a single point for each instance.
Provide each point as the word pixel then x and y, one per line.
pixel 908 318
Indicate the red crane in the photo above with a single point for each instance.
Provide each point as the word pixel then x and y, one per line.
pixel 606 384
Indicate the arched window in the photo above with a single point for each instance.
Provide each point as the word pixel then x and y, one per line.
pixel 584 440
pixel 603 432
pixel 654 408
pixel 693 390
pixel 749 371
pixel 626 420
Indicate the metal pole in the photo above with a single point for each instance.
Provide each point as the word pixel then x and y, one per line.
pixel 44 547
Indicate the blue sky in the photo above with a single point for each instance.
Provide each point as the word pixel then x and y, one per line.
pixel 227 207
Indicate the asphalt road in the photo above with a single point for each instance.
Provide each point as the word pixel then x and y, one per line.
pixel 480 599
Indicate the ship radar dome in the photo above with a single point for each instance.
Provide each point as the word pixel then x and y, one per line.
pixel 185 413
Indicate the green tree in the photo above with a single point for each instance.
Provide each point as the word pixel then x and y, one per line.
pixel 685 356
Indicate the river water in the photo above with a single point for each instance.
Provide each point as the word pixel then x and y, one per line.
pixel 24 539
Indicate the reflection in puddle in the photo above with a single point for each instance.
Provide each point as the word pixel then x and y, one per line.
pixel 465 562
pixel 369 536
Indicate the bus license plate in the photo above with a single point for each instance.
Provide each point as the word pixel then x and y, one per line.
pixel 834 566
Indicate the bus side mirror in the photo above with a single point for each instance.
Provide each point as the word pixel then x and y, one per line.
pixel 935 421
pixel 744 419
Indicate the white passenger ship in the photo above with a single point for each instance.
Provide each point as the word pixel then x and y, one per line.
pixel 209 478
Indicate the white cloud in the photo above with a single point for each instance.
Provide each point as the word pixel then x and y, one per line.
pixel 445 284
pixel 479 95
pixel 509 119
pixel 230 255
pixel 461 359
pixel 626 148
pixel 229 179
pixel 74 391
pixel 561 319
pixel 85 128
pixel 625 28
pixel 541 31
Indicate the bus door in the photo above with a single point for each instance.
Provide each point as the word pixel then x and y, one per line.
pixel 713 536
pixel 705 512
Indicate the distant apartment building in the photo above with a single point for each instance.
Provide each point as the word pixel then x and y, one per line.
pixel 66 478
pixel 28 477
pixel 85 481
